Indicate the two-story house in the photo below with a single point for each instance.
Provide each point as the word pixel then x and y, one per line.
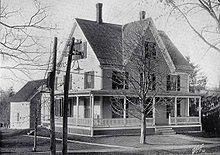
pixel 92 88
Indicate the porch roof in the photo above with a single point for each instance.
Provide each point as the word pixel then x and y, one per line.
pixel 128 93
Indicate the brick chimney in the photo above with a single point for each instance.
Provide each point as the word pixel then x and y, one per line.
pixel 99 13
pixel 142 15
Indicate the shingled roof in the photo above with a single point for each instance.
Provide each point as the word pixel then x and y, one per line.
pixel 26 92
pixel 105 40
pixel 178 59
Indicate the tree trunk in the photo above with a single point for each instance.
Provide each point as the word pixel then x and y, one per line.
pixel 143 129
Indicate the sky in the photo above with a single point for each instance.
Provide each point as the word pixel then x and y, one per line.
pixel 62 13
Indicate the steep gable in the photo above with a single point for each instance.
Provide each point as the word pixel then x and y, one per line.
pixel 105 40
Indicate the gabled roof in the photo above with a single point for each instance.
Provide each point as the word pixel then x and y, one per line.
pixel 105 40
pixel 178 59
pixel 25 93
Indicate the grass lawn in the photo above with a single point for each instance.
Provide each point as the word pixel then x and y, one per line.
pixel 17 141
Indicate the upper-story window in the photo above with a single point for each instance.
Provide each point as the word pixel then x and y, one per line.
pixel 70 82
pixel 120 80
pixel 81 49
pixel 150 50
pixel 150 81
pixel 89 79
pixel 173 82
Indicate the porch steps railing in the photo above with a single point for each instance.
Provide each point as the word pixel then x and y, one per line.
pixel 165 131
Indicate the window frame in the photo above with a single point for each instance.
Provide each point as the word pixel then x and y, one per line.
pixel 173 82
pixel 89 85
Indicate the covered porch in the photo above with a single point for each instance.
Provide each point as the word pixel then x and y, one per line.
pixel 92 111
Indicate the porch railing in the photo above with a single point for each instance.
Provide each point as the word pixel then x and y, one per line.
pixel 111 122
pixel 184 120
pixel 119 122
pixel 74 121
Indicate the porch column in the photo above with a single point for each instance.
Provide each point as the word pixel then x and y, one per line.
pixel 77 109
pixel 200 108
pixel 92 112
pixel 187 114
pixel 101 107
pixel 124 110
pixel 175 109
pixel 154 111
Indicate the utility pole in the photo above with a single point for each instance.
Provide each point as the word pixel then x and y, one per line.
pixel 51 86
pixel 66 93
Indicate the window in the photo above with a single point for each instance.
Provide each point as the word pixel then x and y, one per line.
pixel 173 83
pixel 151 82
pixel 70 81
pixel 59 107
pixel 150 50
pixel 178 107
pixel 70 108
pixel 18 117
pixel 86 107
pixel 89 79
pixel 120 80
pixel 81 49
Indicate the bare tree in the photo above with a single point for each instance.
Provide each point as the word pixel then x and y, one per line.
pixel 197 77
pixel 141 76
pixel 20 47
pixel 209 30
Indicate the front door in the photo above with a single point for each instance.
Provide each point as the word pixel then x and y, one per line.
pixel 161 114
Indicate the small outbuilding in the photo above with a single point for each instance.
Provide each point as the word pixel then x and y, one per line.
pixel 25 105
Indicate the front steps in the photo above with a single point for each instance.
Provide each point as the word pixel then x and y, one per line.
pixel 164 131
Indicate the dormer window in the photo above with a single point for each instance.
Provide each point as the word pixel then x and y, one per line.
pixel 150 50
pixel 173 82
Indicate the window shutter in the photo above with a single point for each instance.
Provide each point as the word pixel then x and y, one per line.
pixel 178 82
pixel 78 47
pixel 92 80
pixel 84 50
pixel 70 82
pixel 168 83
pixel 56 83
pixel 61 107
pixel 57 107
pixel 85 80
